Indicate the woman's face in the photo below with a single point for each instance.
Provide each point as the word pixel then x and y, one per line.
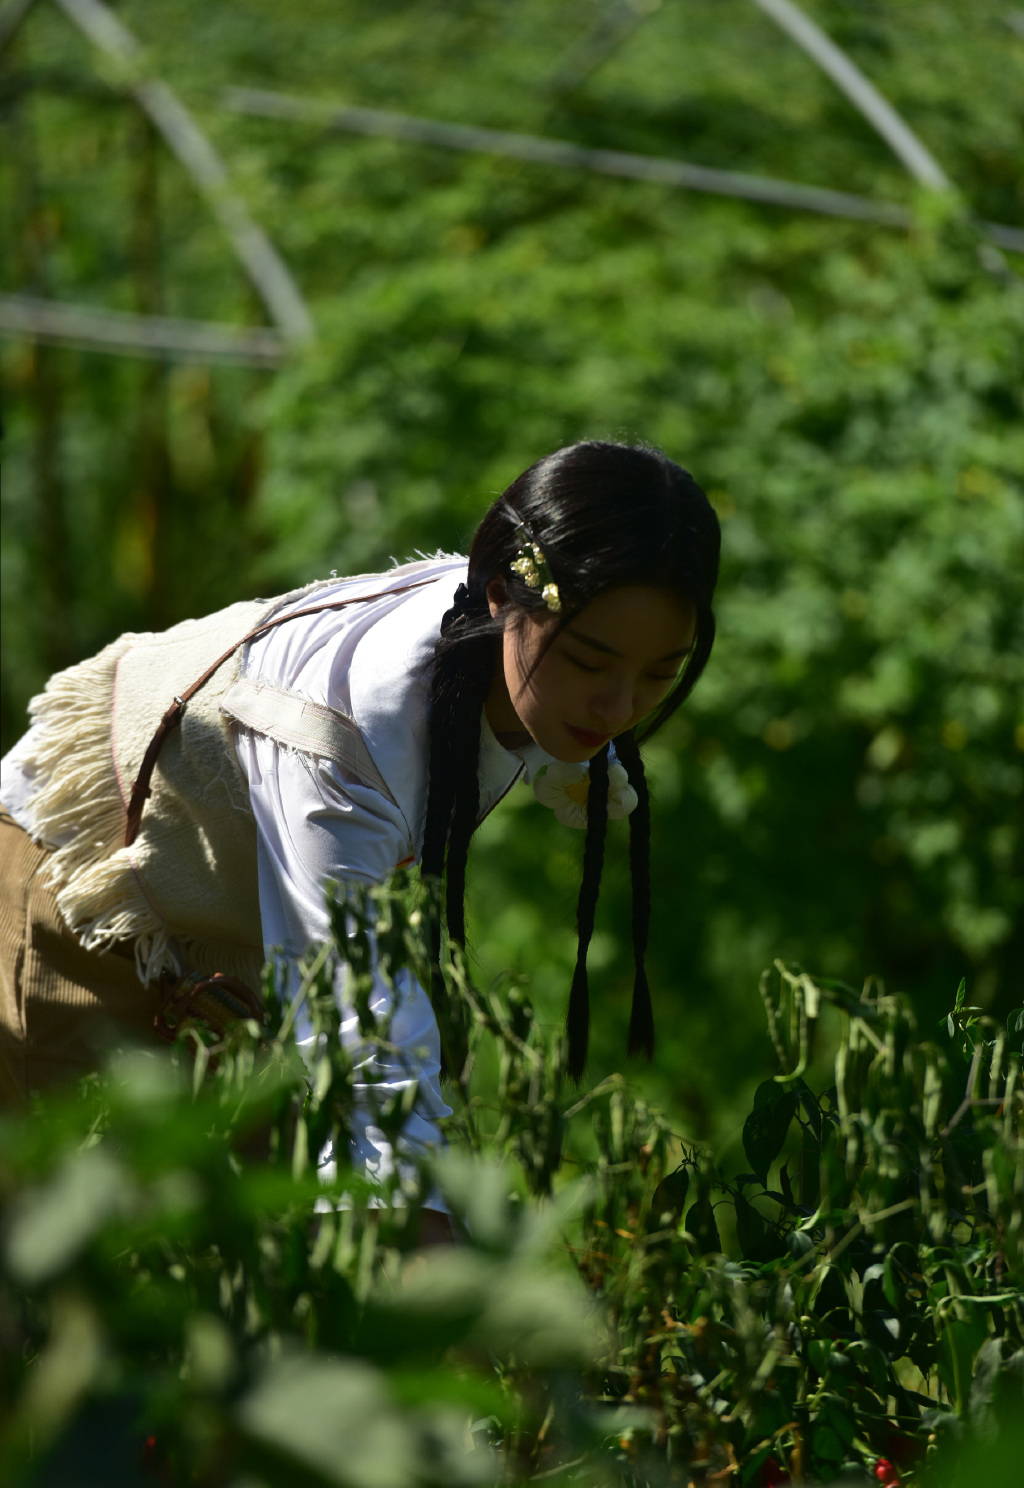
pixel 610 666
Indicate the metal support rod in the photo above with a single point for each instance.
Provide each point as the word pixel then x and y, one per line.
pixel 272 105
pixel 613 26
pixel 258 256
pixel 540 151
pixel 158 336
pixel 12 13
pixel 862 93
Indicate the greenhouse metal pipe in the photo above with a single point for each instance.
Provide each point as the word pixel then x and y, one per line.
pixel 862 93
pixel 156 336
pixel 475 138
pixel 657 169
pixel 11 16
pixel 258 256
pixel 613 27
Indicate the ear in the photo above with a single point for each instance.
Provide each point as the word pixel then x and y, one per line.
pixel 497 598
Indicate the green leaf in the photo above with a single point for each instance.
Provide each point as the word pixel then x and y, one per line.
pixel 870 1358
pixel 503 1307
pixel 985 1383
pixel 430 1386
pixel 958 1344
pixel 835 1414
pixel 700 1223
pixel 810 1170
pixel 335 1416
pixel 766 1127
pixel 51 1225
pixel 669 1198
pixel 479 1191
pixel 751 1230
pixel 827 1444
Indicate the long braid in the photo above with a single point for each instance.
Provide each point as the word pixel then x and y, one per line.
pixel 477 668
pixel 440 800
pixel 440 804
pixel 441 787
pixel 578 1020
pixel 641 1017
pixel 459 687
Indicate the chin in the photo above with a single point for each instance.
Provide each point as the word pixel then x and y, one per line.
pixel 574 754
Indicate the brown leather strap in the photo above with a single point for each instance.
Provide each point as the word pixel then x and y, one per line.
pixel 141 790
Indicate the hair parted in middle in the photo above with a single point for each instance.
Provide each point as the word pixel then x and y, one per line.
pixel 605 516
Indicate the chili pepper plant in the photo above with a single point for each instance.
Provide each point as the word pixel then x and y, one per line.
pixel 198 1288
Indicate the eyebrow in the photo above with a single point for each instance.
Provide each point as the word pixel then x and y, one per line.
pixel 597 645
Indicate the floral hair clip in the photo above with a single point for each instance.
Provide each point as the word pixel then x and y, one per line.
pixel 531 566
pixel 564 789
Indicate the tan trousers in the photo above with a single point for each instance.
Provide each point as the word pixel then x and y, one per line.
pixel 61 1007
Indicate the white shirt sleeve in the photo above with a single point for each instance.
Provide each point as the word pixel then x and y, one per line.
pixel 315 824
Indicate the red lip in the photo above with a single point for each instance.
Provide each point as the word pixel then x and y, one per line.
pixel 586 738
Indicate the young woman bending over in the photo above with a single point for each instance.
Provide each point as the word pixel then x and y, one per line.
pixel 181 799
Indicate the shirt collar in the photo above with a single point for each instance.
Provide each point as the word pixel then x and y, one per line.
pixel 497 762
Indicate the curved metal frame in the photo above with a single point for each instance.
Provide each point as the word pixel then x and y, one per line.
pixel 163 336
pixel 658 169
pixel 862 93
pixel 159 336
pixel 262 263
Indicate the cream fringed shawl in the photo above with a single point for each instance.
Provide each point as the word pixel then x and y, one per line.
pixel 187 887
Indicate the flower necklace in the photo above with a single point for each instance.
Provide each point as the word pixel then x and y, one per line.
pixel 564 789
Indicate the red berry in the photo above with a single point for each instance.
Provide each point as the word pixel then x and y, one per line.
pixel 772 1475
pixel 887 1473
pixel 904 1449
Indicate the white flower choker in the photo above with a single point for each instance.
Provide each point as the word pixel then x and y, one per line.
pixel 564 789
pixel 531 566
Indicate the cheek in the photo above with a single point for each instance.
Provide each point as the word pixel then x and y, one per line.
pixel 654 698
pixel 512 662
pixel 525 659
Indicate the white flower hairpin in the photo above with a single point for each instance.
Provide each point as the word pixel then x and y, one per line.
pixel 564 790
pixel 532 567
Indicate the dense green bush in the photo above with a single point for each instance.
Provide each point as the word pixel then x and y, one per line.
pixel 850 395
pixel 185 1302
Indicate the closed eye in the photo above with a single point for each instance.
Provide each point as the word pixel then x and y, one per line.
pixel 582 665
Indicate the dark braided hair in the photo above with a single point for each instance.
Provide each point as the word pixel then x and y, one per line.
pixel 641 1017
pixel 461 681
pixel 605 516
pixel 578 1018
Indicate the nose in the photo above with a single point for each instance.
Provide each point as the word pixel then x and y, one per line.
pixel 612 705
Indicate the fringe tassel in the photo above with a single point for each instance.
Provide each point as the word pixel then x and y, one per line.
pixel 106 906
pixel 80 795
pixel 100 897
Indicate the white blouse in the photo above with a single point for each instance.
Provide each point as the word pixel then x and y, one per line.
pixel 319 823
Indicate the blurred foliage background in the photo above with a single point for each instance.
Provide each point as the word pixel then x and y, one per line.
pixel 845 786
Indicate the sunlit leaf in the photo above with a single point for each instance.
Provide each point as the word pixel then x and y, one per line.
pixel 52 1224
